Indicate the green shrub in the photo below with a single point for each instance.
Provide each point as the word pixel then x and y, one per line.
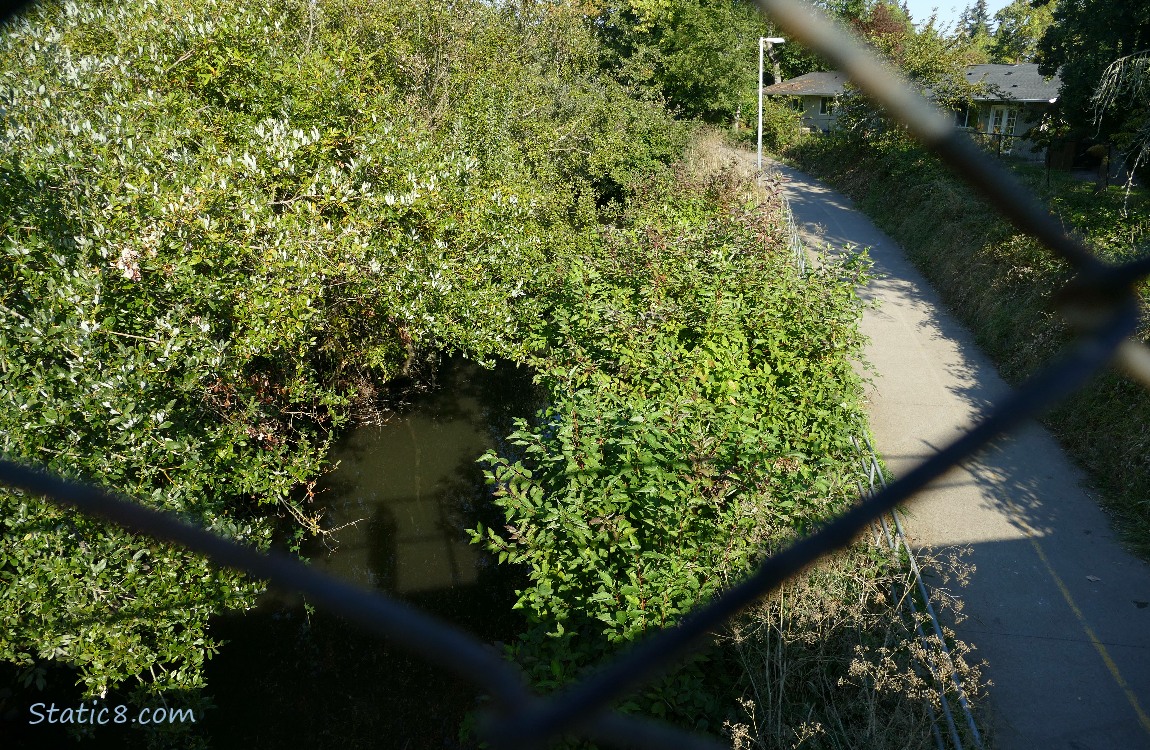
pixel 782 125
pixel 219 221
pixel 702 406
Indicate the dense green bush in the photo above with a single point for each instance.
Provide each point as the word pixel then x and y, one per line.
pixel 782 125
pixel 225 224
pixel 220 221
pixel 702 406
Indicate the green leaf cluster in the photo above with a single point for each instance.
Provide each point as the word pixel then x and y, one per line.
pixel 221 221
pixel 702 403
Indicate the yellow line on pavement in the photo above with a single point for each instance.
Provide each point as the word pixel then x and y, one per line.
pixel 1106 659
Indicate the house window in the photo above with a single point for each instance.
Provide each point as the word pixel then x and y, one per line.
pixel 827 106
pixel 965 117
pixel 1003 121
pixel 797 104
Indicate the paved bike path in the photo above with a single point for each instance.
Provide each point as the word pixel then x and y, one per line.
pixel 1056 607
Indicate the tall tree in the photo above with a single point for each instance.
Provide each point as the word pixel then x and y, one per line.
pixel 1086 37
pixel 979 19
pixel 700 55
pixel 886 27
pixel 1019 26
pixel 974 28
pixel 1128 79
pixel 848 10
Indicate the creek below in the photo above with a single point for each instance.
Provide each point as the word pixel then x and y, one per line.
pixel 288 676
pixel 401 495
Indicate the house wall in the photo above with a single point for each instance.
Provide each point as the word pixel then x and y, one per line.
pixel 812 116
pixel 1028 115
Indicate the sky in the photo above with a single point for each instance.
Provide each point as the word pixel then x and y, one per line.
pixel 948 10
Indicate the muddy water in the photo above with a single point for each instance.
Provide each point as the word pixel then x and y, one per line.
pixel 403 491
pixel 401 496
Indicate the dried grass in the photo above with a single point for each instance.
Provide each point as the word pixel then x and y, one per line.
pixel 830 661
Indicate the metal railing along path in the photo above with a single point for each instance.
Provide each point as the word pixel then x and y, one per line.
pixel 796 241
pixel 897 543
pixel 1100 301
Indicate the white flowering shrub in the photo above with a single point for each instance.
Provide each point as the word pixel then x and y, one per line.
pixel 217 218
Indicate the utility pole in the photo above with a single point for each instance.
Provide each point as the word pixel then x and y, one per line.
pixel 768 42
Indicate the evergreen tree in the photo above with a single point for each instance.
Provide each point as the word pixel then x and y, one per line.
pixel 974 28
pixel 1086 38
pixel 979 23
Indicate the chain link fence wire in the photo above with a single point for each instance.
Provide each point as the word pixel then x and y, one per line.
pixel 1100 301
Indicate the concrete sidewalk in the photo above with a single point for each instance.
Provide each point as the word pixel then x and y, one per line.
pixel 1059 611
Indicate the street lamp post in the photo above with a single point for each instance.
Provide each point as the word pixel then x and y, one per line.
pixel 769 42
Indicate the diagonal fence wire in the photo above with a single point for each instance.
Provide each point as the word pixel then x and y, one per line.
pixel 1100 301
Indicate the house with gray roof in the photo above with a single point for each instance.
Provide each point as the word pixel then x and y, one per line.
pixel 1012 100
pixel 813 95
